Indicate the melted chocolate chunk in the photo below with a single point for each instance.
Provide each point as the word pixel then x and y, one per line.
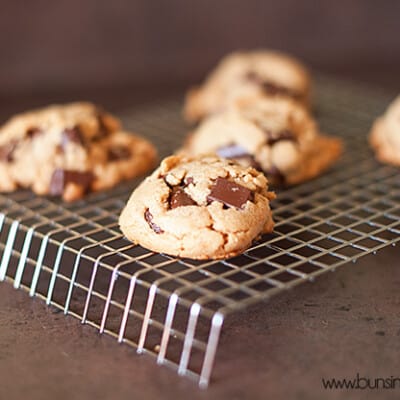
pixel 229 193
pixel 7 151
pixel 73 135
pixel 274 89
pixel 232 151
pixel 61 177
pixel 118 152
pixel 180 198
pixel 57 182
pixel 31 133
pixel 274 137
pixel 239 154
pixel 148 216
pixel 275 176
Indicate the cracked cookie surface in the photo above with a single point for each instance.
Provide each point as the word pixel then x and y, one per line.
pixel 200 208
pixel 385 135
pixel 69 150
pixel 242 74
pixel 276 136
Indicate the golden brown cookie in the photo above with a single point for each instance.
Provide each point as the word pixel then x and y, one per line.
pixel 69 150
pixel 385 135
pixel 200 208
pixel 274 135
pixel 243 74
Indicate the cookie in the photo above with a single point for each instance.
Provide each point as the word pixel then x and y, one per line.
pixel 69 150
pixel 200 208
pixel 243 74
pixel 276 136
pixel 385 135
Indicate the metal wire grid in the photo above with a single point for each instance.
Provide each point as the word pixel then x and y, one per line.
pixel 75 258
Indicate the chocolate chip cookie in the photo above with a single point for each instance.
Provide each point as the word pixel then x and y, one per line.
pixel 276 136
pixel 200 208
pixel 69 150
pixel 385 135
pixel 242 74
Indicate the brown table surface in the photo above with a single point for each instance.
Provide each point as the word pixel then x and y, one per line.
pixel 342 324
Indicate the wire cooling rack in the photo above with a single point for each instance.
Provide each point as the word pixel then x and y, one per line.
pixel 74 257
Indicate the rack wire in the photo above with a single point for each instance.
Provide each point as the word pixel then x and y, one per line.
pixel 74 257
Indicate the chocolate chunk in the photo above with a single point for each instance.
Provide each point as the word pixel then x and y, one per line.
pixel 7 151
pixel 274 89
pixel 61 177
pixel 229 193
pixel 73 135
pixel 148 216
pixel 118 152
pixel 31 133
pixel 239 154
pixel 180 198
pixel 275 176
pixel 57 182
pixel 274 137
pixel 232 151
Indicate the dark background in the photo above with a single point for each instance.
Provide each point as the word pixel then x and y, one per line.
pixel 89 46
pixel 119 53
